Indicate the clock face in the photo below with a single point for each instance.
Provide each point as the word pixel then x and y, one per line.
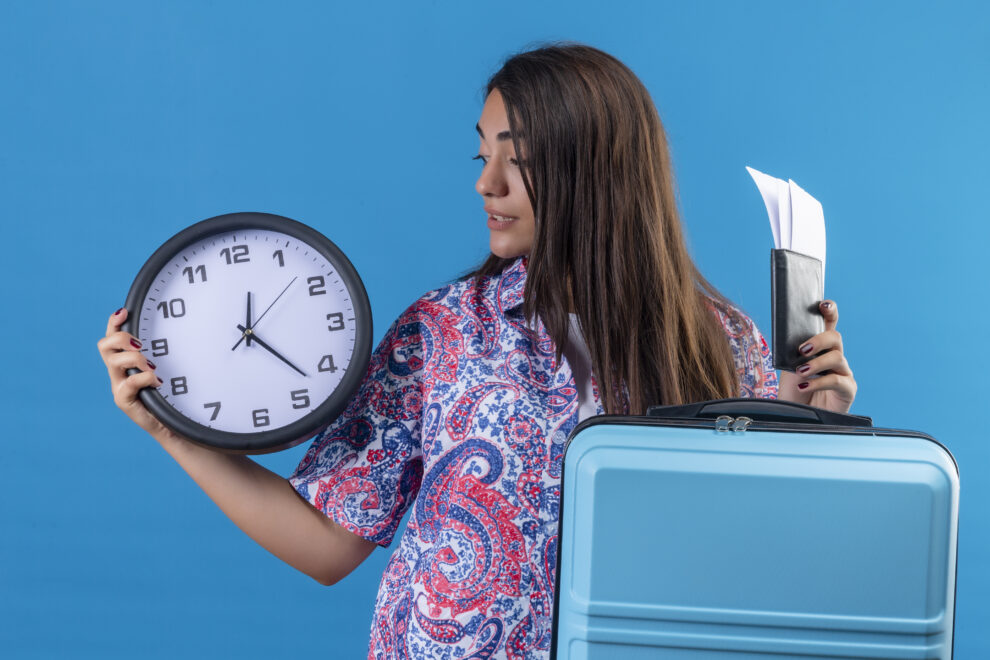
pixel 252 330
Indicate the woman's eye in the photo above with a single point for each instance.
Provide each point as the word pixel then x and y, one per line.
pixel 484 160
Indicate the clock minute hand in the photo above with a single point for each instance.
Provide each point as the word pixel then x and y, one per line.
pixel 244 333
pixel 248 332
pixel 247 337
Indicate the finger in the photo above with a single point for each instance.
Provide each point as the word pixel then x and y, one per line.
pixel 844 386
pixel 125 393
pixel 831 361
pixel 124 360
pixel 116 320
pixel 118 362
pixel 115 339
pixel 830 340
pixel 830 312
pixel 118 341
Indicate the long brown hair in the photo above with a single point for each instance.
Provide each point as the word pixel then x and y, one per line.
pixel 597 169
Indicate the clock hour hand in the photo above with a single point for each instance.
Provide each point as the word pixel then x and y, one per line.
pixel 248 332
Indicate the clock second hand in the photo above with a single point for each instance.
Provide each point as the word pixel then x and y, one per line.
pixel 244 334
pixel 249 332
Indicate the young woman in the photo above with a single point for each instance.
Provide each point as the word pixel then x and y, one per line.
pixel 589 303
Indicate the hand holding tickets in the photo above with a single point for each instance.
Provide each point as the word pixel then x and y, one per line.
pixel 806 346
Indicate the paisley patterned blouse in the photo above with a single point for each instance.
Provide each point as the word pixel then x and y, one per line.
pixel 462 416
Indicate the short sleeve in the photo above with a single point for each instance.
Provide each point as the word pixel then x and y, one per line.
pixel 757 377
pixel 365 469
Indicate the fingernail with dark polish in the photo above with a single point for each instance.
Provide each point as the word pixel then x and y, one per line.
pixel 152 364
pixel 135 343
pixel 803 386
pixel 118 311
pixel 160 381
pixel 826 305
pixel 804 368
pixel 806 348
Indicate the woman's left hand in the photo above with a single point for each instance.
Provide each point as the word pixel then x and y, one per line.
pixel 836 388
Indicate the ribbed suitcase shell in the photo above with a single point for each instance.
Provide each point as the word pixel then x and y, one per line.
pixel 783 541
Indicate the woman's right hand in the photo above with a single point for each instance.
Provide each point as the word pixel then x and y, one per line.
pixel 122 351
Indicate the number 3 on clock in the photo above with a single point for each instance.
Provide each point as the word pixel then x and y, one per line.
pixel 336 321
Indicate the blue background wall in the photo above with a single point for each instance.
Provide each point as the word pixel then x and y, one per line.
pixel 122 122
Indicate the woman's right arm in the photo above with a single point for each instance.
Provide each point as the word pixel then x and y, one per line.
pixel 264 505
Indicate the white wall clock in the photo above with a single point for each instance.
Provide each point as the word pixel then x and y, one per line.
pixel 260 329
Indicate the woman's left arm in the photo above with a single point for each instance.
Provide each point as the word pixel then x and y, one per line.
pixel 836 388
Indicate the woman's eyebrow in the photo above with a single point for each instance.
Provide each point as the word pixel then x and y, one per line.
pixel 501 137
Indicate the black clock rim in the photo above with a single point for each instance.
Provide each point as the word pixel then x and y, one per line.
pixel 304 428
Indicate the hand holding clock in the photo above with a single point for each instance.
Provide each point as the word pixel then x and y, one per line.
pixel 177 311
pixel 257 500
pixel 121 351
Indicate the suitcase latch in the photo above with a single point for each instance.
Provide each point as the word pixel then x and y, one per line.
pixel 724 423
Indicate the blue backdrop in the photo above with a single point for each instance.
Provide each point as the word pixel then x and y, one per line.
pixel 122 122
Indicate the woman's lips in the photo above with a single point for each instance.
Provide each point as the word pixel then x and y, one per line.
pixel 494 222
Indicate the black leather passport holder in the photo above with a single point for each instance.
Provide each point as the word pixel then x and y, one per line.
pixel 797 287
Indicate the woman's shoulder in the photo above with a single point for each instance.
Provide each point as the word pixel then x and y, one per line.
pixel 449 305
pixel 757 377
pixel 734 321
pixel 457 296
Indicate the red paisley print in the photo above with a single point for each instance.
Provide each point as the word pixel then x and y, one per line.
pixel 462 416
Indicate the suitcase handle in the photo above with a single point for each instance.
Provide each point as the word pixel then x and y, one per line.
pixel 764 410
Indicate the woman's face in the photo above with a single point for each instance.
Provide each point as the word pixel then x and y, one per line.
pixel 510 214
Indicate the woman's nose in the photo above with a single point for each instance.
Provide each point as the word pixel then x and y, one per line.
pixel 491 181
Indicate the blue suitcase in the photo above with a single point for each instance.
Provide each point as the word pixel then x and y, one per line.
pixel 746 528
